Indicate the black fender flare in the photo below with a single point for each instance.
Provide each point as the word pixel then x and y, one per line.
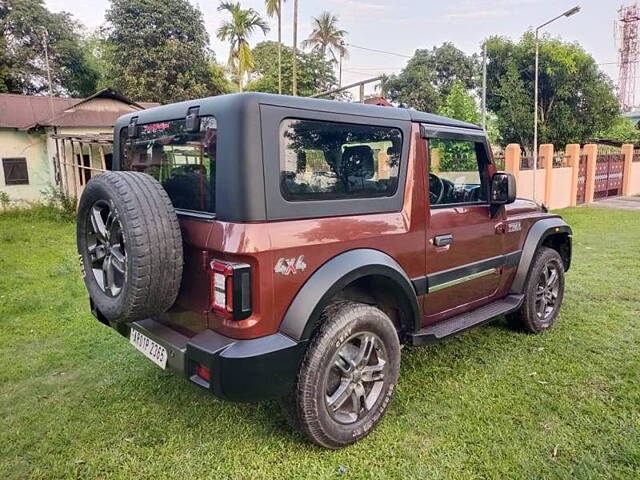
pixel 304 311
pixel 537 234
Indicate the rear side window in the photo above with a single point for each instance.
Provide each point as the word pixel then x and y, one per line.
pixel 322 160
pixel 183 162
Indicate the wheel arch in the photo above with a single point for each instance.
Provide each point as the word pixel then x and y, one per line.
pixel 549 232
pixel 349 272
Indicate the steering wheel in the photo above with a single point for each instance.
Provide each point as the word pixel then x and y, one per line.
pixel 436 189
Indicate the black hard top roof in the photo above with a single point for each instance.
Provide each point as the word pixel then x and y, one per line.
pixel 241 197
pixel 244 102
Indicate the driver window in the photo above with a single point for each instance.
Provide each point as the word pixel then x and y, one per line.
pixel 456 172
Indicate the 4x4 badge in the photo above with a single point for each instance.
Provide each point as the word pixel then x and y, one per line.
pixel 286 266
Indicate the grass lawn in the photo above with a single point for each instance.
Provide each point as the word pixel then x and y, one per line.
pixel 76 401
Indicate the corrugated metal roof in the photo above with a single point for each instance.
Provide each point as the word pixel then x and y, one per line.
pixel 27 111
pixel 19 111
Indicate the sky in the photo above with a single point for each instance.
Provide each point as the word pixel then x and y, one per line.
pixel 402 26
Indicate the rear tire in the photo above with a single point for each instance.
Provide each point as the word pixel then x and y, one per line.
pixel 130 246
pixel 544 291
pixel 347 377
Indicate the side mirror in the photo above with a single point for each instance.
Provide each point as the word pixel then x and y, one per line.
pixel 503 188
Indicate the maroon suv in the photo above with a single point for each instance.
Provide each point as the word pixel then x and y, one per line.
pixel 279 247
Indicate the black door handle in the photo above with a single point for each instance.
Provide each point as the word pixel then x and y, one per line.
pixel 443 240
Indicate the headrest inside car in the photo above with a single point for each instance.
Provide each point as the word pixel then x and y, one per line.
pixel 357 161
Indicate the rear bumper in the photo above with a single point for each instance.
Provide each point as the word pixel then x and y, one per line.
pixel 240 370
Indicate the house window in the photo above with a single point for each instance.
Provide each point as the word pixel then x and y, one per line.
pixel 15 171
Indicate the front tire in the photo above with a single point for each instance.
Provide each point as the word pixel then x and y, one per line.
pixel 544 291
pixel 347 377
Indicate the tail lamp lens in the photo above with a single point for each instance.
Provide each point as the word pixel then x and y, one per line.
pixel 203 372
pixel 231 289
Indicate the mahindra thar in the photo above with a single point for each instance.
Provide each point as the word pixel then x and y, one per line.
pixel 268 246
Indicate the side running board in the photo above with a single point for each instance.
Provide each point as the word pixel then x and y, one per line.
pixel 454 325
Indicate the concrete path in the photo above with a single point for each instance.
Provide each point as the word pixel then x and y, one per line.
pixel 632 203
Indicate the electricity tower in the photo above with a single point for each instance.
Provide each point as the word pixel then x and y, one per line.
pixel 628 54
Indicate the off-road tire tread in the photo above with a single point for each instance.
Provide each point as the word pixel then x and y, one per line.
pixel 335 317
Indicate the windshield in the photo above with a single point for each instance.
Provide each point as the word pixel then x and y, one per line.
pixel 183 162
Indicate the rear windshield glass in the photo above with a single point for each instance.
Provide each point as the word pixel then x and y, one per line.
pixel 183 162
pixel 322 160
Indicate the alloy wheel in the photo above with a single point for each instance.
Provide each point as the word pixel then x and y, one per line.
pixel 354 379
pixel 106 245
pixel 547 291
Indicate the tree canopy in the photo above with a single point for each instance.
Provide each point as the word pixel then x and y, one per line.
pixel 621 130
pixel 315 73
pixel 576 99
pixel 460 104
pixel 28 28
pixel 429 76
pixel 157 51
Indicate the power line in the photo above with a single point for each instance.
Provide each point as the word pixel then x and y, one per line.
pixel 377 51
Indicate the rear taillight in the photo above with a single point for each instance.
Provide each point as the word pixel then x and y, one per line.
pixel 231 289
pixel 203 372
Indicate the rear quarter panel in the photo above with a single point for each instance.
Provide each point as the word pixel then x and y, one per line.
pixel 399 234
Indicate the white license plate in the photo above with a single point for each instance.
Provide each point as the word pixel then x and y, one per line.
pixel 153 351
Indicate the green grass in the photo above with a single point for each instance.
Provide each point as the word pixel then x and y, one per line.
pixel 76 401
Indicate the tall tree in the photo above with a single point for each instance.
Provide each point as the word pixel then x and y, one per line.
pixel 157 51
pixel 326 35
pixel 274 7
pixel 576 100
pixel 29 34
pixel 237 32
pixel 430 74
pixel 315 73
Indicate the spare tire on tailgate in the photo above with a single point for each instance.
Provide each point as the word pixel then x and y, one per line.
pixel 130 246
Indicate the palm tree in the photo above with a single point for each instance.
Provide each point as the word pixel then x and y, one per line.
pixel 326 36
pixel 274 7
pixel 385 84
pixel 237 31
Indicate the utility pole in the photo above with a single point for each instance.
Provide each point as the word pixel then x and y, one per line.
pixel 294 83
pixel 279 47
pixel 484 86
pixel 45 45
pixel 340 67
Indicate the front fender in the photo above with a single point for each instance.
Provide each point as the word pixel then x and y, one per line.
pixel 304 312
pixel 537 234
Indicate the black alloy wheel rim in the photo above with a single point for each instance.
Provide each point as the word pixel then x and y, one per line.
pixel 547 291
pixel 354 379
pixel 106 248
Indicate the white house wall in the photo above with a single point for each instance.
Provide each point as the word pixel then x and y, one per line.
pixel 31 146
